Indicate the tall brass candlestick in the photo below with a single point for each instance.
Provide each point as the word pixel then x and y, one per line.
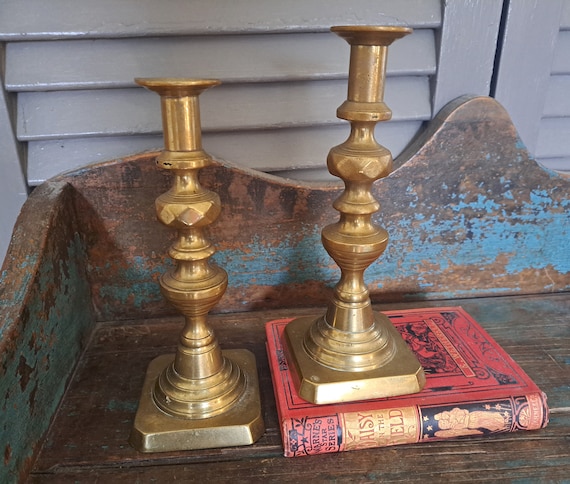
pixel 352 353
pixel 201 397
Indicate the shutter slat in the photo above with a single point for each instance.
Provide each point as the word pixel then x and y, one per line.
pixel 561 61
pixel 65 114
pixel 565 17
pixel 90 64
pixel 56 19
pixel 268 150
pixel 554 138
pixel 558 97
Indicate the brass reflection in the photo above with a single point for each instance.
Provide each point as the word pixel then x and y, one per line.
pixel 352 353
pixel 201 397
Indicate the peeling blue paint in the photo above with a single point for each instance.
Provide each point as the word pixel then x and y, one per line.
pixel 26 268
pixel 288 261
pixel 422 247
pixel 48 346
pixel 482 204
pixel 530 239
pixel 552 174
pixel 136 294
pixel 519 144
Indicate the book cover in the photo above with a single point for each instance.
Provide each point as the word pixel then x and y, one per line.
pixel 473 388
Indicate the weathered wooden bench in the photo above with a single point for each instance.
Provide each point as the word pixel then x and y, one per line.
pixel 473 221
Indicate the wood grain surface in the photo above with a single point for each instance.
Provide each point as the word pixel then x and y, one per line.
pixel 88 440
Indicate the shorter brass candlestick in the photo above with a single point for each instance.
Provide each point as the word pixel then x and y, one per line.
pixel 201 397
pixel 352 353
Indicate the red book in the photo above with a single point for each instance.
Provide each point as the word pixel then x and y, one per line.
pixel 473 388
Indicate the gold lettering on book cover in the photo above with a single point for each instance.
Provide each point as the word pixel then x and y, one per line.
pixel 376 428
pixel 532 416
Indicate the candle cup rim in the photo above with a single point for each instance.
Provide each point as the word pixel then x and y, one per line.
pixel 371 34
pixel 179 84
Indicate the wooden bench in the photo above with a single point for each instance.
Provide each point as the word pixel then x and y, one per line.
pixel 473 221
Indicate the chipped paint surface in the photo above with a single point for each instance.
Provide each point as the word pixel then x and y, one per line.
pixel 26 268
pixel 469 213
pixel 481 235
pixel 262 262
pixel 45 319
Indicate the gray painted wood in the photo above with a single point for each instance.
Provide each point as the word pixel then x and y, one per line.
pixel 44 157
pixel 88 64
pixel 557 102
pixel 63 114
pixel 561 165
pixel 565 16
pixel 554 138
pixel 467 45
pixel 553 143
pixel 527 52
pixel 13 187
pixel 284 74
pixel 37 19
pixel 270 81
pixel 267 150
pixel 561 60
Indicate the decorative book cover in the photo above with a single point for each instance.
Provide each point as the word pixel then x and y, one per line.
pixel 473 388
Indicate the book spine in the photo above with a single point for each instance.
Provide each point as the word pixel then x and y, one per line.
pixel 407 425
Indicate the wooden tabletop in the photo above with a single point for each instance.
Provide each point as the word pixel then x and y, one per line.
pixel 88 439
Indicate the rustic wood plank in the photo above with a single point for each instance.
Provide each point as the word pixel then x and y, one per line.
pixel 68 114
pixel 45 318
pixel 102 401
pixel 113 63
pixel 107 18
pixel 468 212
pixel 468 220
pixel 506 460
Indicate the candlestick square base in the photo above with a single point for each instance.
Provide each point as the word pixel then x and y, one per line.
pixel 242 424
pixel 322 385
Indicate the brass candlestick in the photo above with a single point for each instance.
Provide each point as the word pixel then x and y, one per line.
pixel 352 353
pixel 202 397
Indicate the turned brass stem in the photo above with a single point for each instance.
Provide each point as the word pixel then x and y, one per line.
pixel 348 337
pixel 202 396
pixel 200 382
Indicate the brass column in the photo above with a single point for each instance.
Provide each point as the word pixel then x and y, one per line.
pixel 352 353
pixel 201 397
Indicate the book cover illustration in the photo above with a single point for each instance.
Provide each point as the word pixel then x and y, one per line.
pixel 473 388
